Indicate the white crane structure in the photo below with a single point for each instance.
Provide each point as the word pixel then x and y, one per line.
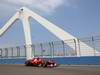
pixel 23 14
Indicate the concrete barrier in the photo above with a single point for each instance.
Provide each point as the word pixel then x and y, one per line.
pixel 95 60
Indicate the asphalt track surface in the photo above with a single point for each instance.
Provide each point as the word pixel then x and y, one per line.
pixel 62 70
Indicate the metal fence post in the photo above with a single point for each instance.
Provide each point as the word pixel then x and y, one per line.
pixel 18 51
pixel 64 51
pixel 0 52
pixel 11 51
pixel 6 52
pixel 33 50
pixel 78 48
pixel 41 49
pixel 75 46
pixel 93 46
pixel 52 49
pixel 25 49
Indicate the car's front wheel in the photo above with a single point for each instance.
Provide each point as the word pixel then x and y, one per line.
pixel 40 65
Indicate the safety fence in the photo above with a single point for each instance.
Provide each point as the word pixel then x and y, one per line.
pixel 56 49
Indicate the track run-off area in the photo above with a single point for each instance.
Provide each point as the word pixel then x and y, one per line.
pixel 61 70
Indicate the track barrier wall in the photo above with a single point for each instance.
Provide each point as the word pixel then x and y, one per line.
pixel 60 60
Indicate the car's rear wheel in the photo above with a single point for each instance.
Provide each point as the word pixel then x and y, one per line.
pixel 27 63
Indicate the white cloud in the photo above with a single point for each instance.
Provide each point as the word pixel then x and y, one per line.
pixel 41 5
pixel 50 5
pixel 25 2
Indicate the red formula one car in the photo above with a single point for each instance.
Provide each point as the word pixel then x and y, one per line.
pixel 40 62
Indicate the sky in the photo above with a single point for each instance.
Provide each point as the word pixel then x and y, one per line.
pixel 80 18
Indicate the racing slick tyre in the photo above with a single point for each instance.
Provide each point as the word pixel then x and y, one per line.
pixel 40 65
pixel 45 64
